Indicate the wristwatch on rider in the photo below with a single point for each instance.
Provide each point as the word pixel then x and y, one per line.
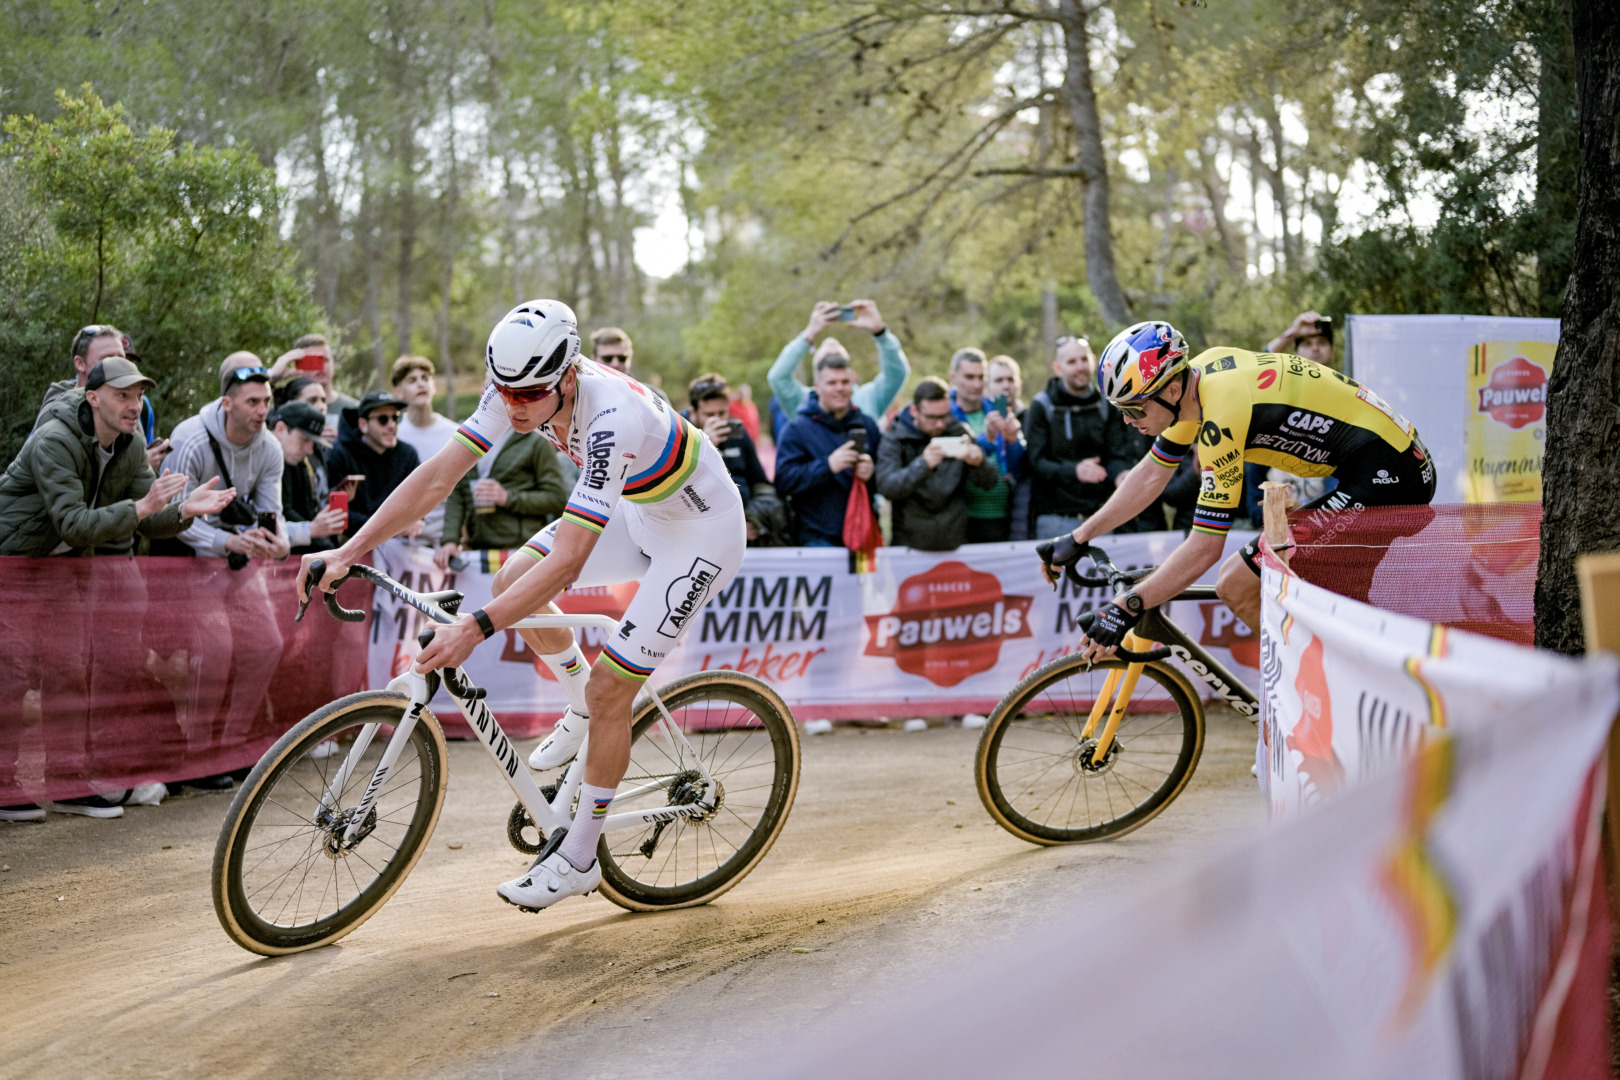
pixel 1131 602
pixel 485 625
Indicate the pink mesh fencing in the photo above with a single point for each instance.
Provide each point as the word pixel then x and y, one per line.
pixel 1470 567
pixel 116 671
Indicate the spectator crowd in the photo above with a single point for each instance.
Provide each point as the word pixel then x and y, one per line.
pixel 281 463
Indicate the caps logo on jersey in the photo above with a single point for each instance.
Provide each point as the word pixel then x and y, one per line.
pixel 685 595
pixel 948 624
pixel 1517 393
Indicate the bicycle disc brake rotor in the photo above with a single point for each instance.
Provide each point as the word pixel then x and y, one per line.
pixel 1085 757
pixel 335 825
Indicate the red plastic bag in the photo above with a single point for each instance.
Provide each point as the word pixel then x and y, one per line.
pixel 861 533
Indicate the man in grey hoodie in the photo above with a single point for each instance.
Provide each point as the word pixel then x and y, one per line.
pixel 228 437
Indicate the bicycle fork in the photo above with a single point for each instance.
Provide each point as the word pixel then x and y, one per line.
pixel 1120 679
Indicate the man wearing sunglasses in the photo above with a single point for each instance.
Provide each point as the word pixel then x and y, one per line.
pixel 1230 406
pixel 369 445
pixel 653 504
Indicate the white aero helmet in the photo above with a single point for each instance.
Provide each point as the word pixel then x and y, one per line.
pixel 533 345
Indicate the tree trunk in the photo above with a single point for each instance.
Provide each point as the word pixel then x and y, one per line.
pixel 370 311
pixel 1557 152
pixel 1093 165
pixel 1581 472
pixel 1215 189
pixel 452 194
pixel 407 237
pixel 327 231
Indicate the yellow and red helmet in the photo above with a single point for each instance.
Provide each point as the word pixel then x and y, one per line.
pixel 1140 362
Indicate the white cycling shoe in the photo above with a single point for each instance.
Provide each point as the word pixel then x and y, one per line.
pixel 550 879
pixel 561 746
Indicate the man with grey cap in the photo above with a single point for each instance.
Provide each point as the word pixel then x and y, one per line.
pixel 311 524
pixel 82 484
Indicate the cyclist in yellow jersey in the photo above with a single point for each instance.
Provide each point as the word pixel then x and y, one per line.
pixel 1230 406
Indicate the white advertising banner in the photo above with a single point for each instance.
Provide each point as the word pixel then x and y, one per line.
pixel 1445 918
pixel 924 634
pixel 1421 364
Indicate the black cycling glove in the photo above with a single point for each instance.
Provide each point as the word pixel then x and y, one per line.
pixel 1111 624
pixel 1059 551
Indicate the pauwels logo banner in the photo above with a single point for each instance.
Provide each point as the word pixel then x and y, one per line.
pixel 948 623
pixel 1505 432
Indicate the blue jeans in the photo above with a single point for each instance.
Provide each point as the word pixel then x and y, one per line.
pixel 1048 526
pixel 814 542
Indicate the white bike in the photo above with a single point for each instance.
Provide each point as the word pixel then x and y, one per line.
pixel 338 811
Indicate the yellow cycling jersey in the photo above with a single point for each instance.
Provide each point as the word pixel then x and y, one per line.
pixel 1274 409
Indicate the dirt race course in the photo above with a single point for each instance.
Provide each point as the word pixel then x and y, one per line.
pixel 112 963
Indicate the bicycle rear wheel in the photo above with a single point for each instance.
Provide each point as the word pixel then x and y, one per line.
pixel 746 738
pixel 284 878
pixel 1039 778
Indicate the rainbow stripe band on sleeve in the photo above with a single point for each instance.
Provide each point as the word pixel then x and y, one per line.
pixel 585 517
pixel 615 662
pixel 1163 458
pixel 1207 523
pixel 472 440
pixel 675 463
pixel 535 549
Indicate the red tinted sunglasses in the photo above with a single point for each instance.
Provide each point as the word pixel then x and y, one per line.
pixel 524 397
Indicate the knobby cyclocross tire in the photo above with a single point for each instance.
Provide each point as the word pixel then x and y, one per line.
pixel 283 881
pixel 747 739
pixel 1040 780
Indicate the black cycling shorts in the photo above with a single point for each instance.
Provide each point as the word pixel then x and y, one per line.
pixel 1382 476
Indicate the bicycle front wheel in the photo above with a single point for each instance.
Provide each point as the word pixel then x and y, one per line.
pixel 288 876
pixel 1039 777
pixel 744 735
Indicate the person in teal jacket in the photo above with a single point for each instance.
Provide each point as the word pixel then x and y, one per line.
pixel 788 394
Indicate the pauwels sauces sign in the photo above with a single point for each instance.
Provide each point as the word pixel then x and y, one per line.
pixel 948 623
pixel 1505 431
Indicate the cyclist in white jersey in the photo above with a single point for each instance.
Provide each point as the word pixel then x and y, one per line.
pixel 653 504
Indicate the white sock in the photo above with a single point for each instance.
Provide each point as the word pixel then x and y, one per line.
pixel 579 846
pixel 573 672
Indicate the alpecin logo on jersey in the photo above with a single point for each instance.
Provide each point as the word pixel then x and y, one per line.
pixel 1517 393
pixel 596 458
pixel 685 595
pixel 948 624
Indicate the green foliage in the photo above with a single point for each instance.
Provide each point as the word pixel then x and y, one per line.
pixel 175 244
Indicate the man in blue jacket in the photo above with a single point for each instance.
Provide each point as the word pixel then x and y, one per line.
pixel 788 394
pixel 820 454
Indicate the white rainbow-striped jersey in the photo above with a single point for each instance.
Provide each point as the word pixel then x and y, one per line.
pixel 629 444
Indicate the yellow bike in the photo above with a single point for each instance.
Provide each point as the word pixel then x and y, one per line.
pixel 1082 751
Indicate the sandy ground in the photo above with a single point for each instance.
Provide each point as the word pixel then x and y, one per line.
pixel 112 963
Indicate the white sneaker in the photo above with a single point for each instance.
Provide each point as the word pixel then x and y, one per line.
pixel 22 812
pixel 550 879
pixel 563 743
pixel 89 806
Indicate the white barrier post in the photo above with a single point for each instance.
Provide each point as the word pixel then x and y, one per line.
pixel 1600 612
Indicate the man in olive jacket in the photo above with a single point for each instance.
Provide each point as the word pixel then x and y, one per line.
pixel 82 485
pixel 511 494
pixel 927 486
